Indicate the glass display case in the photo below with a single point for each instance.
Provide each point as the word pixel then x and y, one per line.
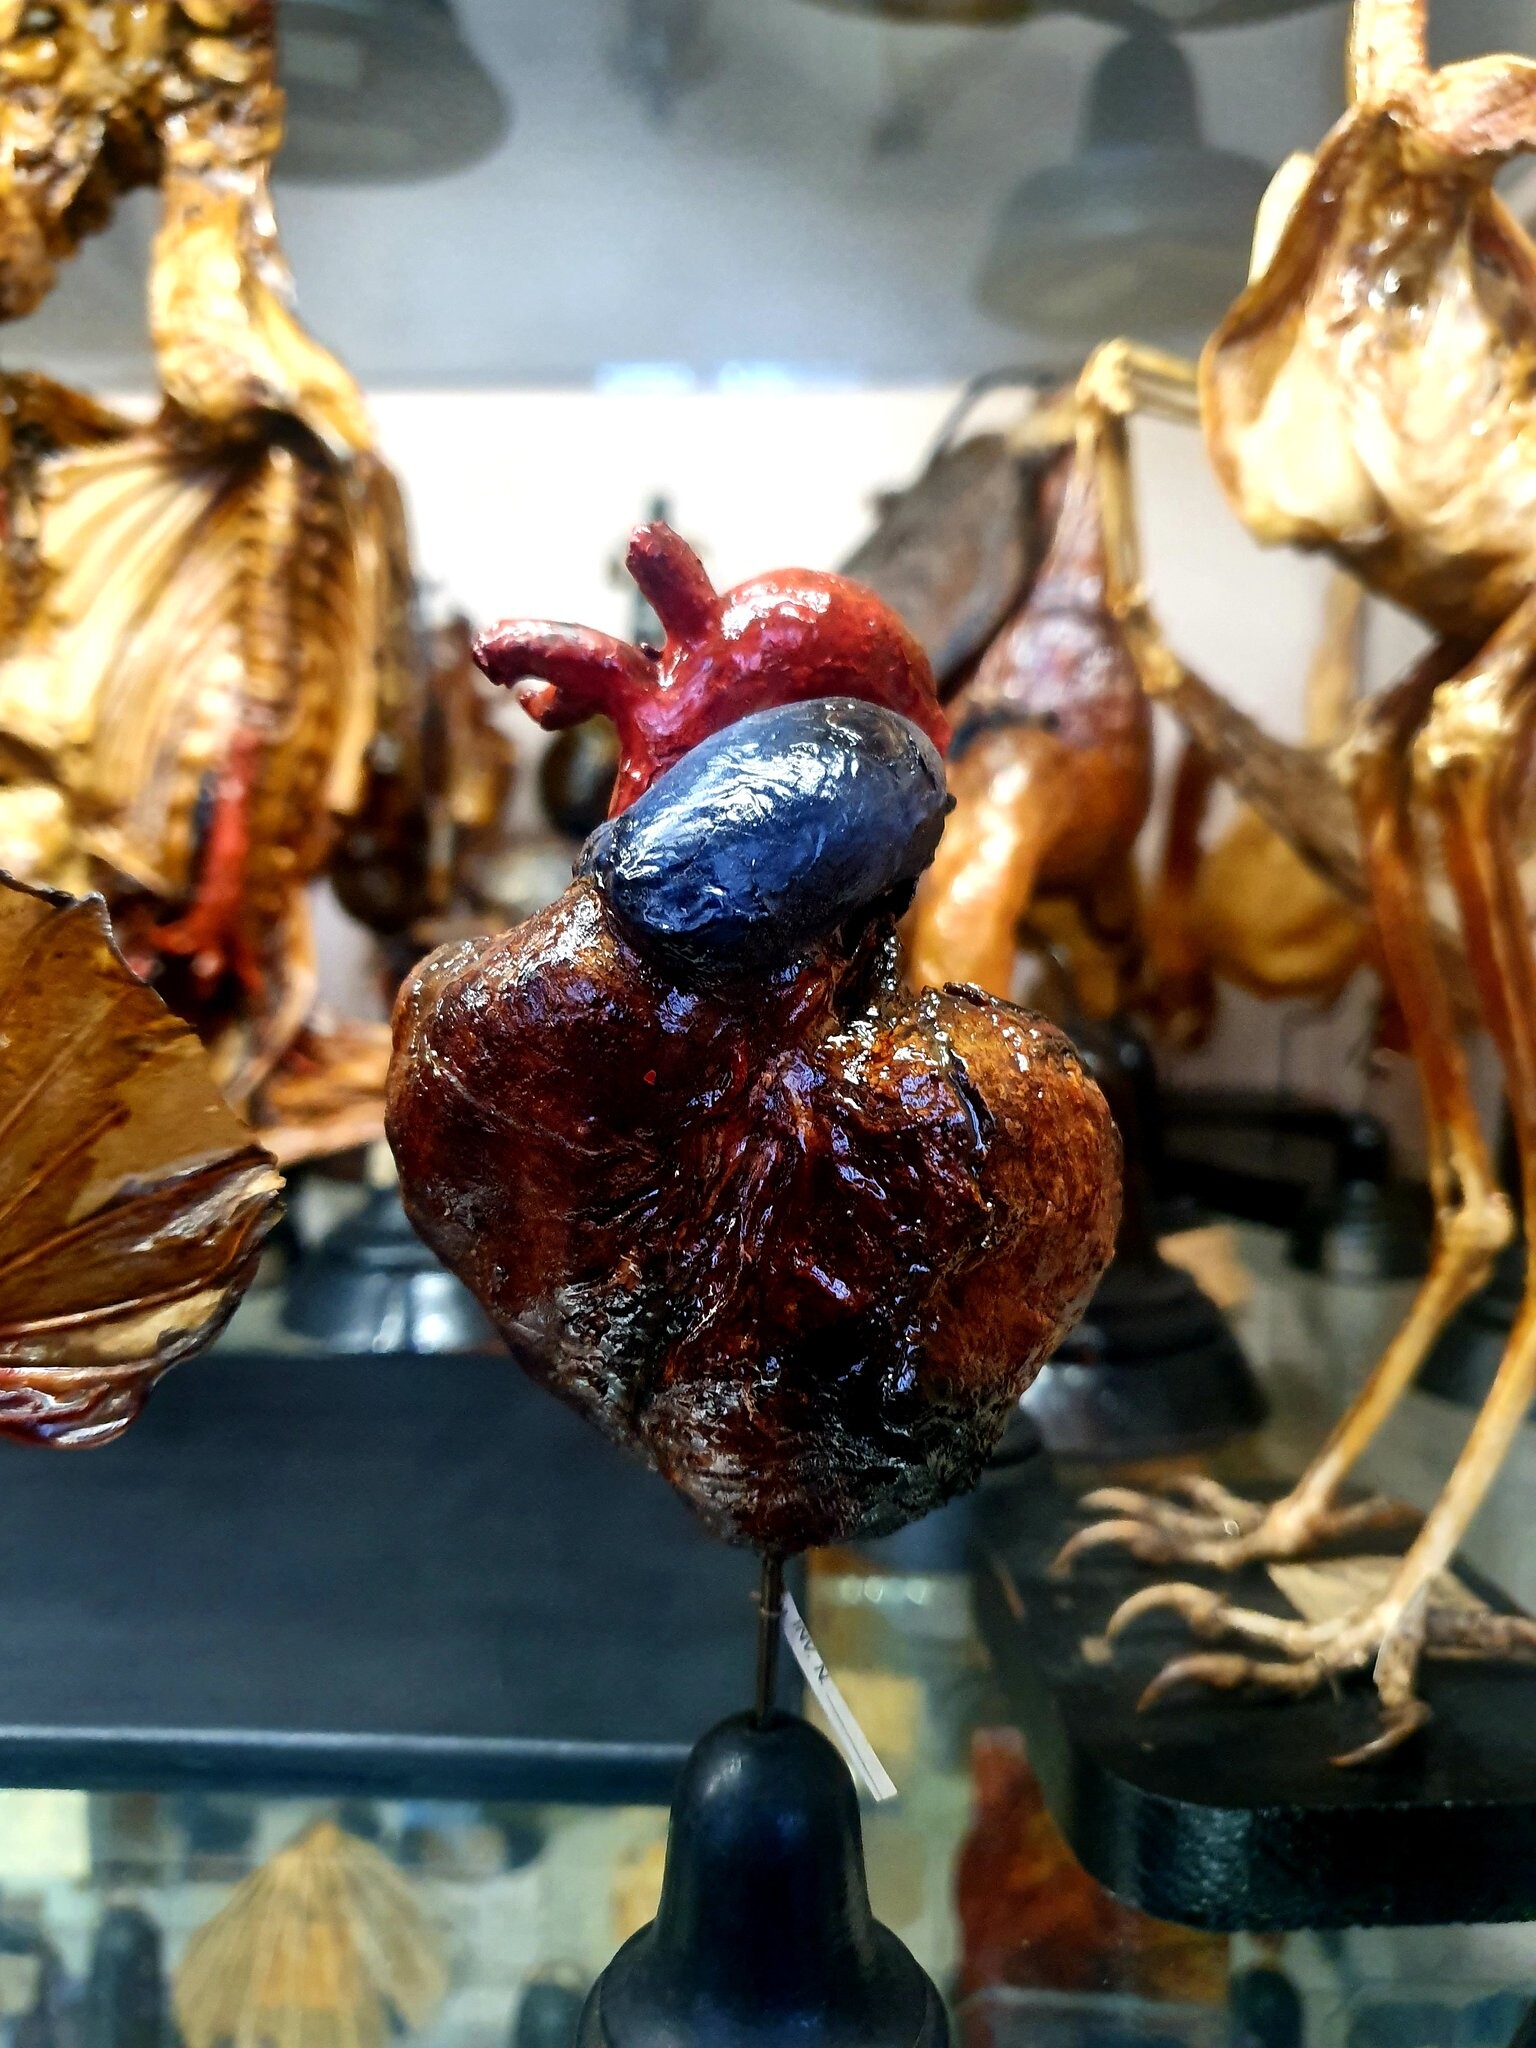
pixel 360 1664
pixel 529 1896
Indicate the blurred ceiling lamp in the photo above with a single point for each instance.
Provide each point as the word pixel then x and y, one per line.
pixel 1146 230
pixel 1175 14
pixel 663 46
pixel 382 91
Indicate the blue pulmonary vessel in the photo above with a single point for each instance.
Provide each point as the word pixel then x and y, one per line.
pixel 769 835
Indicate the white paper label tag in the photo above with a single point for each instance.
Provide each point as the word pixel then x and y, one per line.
pixel 847 1733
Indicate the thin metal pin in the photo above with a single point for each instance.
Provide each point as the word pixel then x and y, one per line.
pixel 770 1605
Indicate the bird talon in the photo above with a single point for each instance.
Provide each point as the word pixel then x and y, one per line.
pixel 1398 1724
pixel 1116 1500
pixel 1215 1499
pixel 1221 1530
pixel 1227 1671
pixel 1223 1670
pixel 1143 1543
pixel 1311 1656
pixel 1198 1605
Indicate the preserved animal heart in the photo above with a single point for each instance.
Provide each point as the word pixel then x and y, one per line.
pixel 796 1234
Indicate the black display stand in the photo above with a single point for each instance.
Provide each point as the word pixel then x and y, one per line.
pixel 1152 1370
pixel 1223 1811
pixel 764 1937
pixel 386 1575
pixel 372 1285
pixel 1370 1225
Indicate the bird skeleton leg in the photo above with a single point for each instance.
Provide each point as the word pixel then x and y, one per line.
pixel 1448 742
pixel 1290 787
pixel 1375 778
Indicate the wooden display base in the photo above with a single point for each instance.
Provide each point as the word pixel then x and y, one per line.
pixel 1223 1811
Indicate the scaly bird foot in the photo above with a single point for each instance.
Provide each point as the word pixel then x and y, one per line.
pixel 1219 1528
pixel 1390 1636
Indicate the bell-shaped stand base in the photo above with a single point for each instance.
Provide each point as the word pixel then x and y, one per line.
pixel 1153 1370
pixel 764 1935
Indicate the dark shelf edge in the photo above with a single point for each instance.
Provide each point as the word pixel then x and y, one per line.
pixel 295 1763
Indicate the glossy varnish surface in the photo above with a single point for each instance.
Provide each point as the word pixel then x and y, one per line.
pixel 801 1243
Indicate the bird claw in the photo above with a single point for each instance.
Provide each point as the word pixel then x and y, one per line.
pixel 1200 1608
pixel 1219 1529
pixel 1391 1637
pixel 1144 1543
pixel 1308 1658
pixel 1398 1724
pixel 1210 1616
pixel 1227 1671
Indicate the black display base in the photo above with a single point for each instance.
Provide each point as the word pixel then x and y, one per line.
pixel 764 1937
pixel 1151 1371
pixel 1223 1811
pixel 371 1286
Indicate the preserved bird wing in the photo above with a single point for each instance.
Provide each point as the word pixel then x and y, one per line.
pixel 327 1093
pixel 1294 789
pixel 159 621
pixel 207 649
pixel 133 1202
pixel 38 419
pixel 951 552
pixel 219 627
pixel 1249 907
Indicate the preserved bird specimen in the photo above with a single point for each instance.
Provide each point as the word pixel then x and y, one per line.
pixel 1370 394
pixel 796 1235
pixel 323 1946
pixel 1051 760
pixel 1051 769
pixel 133 1201
pixel 1247 909
pixel 207 655
pixel 952 552
pixel 440 774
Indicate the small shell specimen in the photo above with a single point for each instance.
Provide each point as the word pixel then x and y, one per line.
pixel 133 1201
pixel 323 1947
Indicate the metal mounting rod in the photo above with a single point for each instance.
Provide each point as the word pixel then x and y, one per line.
pixel 770 1604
